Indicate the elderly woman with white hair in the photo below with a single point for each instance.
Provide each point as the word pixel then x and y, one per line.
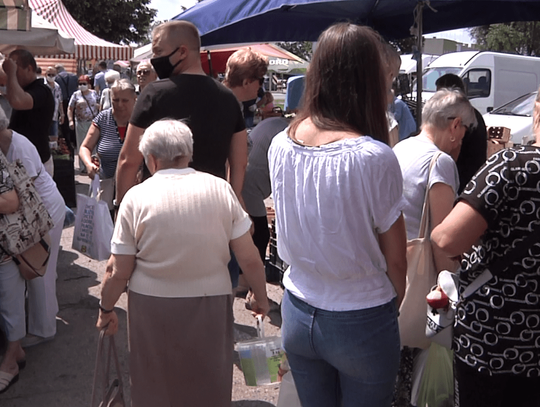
pixel 105 101
pixel 447 116
pixel 42 301
pixel 107 132
pixel 171 243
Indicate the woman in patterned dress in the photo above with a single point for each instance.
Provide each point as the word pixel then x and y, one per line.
pixel 496 336
pixel 107 132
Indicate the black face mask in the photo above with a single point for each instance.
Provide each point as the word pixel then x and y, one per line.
pixel 163 66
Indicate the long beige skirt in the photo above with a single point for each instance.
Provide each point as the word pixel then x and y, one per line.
pixel 181 351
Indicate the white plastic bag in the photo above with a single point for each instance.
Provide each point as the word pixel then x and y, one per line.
pixel 93 225
pixel 288 396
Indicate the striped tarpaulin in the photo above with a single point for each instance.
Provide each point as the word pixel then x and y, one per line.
pixel 14 15
pixel 88 45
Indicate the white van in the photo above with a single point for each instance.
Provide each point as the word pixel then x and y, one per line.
pixel 492 78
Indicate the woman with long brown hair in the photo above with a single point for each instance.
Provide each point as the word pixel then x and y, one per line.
pixel 337 188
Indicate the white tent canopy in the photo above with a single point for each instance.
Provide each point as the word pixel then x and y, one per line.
pixel 42 39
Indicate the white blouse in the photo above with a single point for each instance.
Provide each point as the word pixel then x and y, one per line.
pixel 331 203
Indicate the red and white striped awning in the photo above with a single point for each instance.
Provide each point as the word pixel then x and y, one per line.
pixel 88 46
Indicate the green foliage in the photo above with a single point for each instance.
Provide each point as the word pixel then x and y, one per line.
pixel 118 21
pixel 302 49
pixel 516 38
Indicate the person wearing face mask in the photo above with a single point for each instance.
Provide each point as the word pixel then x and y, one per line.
pixel 58 115
pixel 83 108
pixel 185 92
pixel 32 102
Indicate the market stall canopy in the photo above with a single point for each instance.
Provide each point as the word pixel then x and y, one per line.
pixel 42 39
pixel 280 60
pixel 15 15
pixel 235 21
pixel 88 46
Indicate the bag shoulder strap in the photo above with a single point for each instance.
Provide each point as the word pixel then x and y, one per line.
pixel 424 223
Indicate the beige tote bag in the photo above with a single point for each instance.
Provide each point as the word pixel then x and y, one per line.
pixel 421 277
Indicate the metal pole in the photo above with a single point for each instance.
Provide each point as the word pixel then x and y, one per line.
pixel 419 66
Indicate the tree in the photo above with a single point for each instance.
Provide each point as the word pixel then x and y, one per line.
pixel 516 38
pixel 303 49
pixel 118 21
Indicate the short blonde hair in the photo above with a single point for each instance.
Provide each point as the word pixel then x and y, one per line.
pixel 180 33
pixel 245 64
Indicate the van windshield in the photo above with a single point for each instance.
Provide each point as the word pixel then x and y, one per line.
pixel 522 106
pixel 431 75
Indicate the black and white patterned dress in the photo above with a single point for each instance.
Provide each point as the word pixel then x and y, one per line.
pixel 498 327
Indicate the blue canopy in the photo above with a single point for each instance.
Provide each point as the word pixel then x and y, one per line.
pixel 240 21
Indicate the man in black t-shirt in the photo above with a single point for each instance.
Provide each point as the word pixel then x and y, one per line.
pixel 32 102
pixel 186 93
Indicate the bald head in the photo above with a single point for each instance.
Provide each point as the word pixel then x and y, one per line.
pixel 179 33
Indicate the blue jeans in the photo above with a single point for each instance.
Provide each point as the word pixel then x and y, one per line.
pixel 341 359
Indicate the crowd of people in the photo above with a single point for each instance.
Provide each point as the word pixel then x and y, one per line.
pixel 349 176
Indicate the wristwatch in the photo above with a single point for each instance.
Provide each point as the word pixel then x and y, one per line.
pixel 105 311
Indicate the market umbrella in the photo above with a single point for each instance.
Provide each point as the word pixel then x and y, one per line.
pixel 229 21
pixel 236 21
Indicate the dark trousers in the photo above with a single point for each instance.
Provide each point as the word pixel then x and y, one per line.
pixel 261 234
pixel 65 131
pixel 475 389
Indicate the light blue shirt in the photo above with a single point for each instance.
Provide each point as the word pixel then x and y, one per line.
pixel 404 117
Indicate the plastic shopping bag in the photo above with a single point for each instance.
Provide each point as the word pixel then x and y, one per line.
pixel 288 396
pixel 437 387
pixel 93 225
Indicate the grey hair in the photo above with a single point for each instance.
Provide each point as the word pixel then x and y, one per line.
pixel 123 84
pixel 147 63
pixel 112 76
pixel 445 104
pixel 167 140
pixel 4 121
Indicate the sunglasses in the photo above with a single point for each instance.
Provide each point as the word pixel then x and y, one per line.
pixel 83 83
pixel 143 72
pixel 50 75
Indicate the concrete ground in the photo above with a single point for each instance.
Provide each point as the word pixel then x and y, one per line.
pixel 60 373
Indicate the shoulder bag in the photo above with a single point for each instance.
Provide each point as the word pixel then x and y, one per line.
pixel 24 234
pixel 421 276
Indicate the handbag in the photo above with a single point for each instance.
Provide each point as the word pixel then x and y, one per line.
pixel 421 276
pixel 440 322
pixel 24 233
pixel 93 225
pixel 112 392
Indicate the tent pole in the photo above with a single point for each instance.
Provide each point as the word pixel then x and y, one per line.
pixel 419 64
